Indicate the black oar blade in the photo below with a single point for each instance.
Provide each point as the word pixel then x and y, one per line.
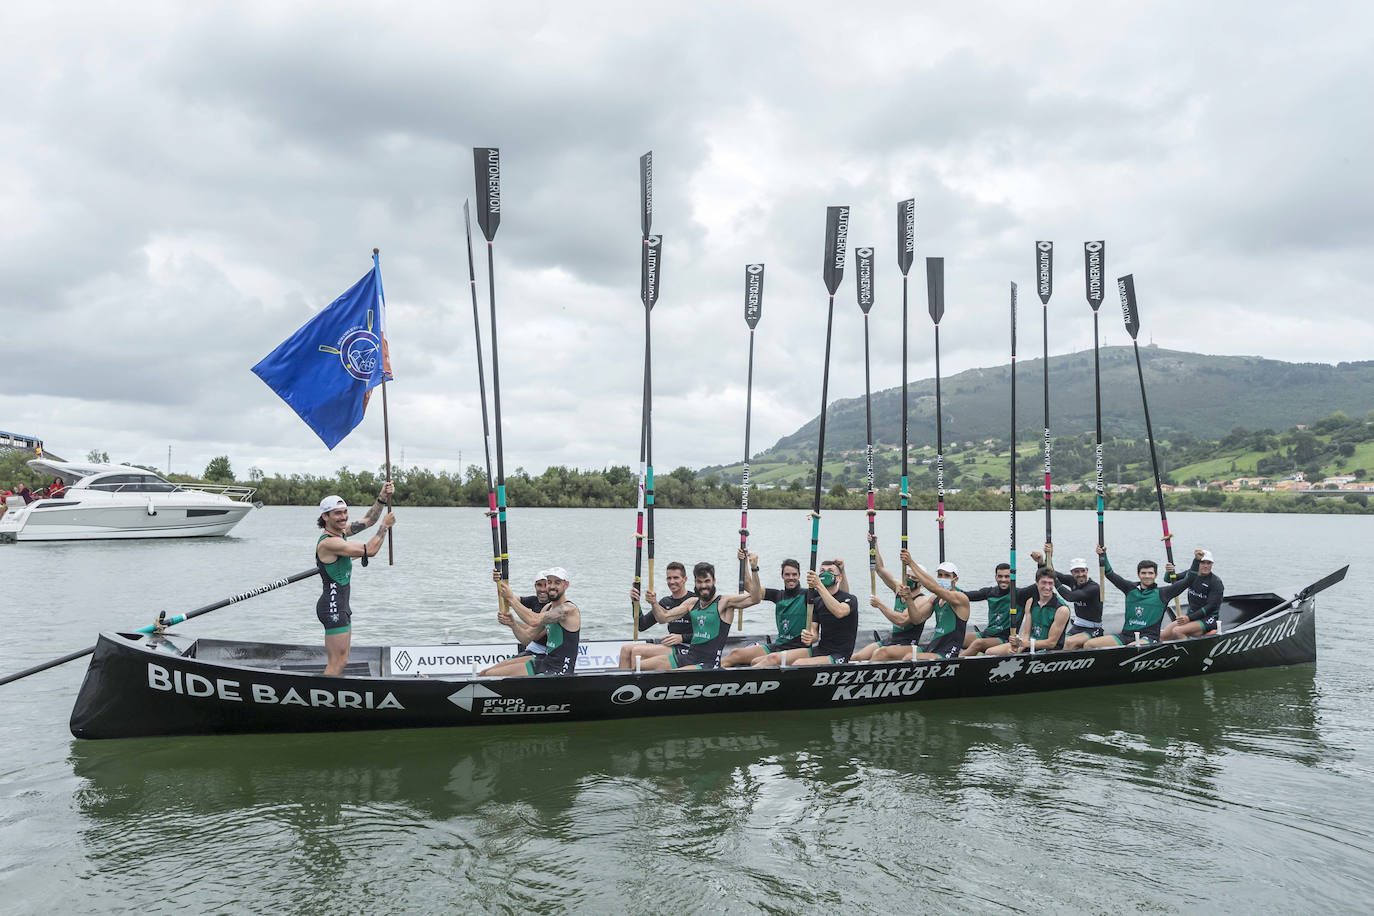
pixel 753 295
pixel 1126 287
pixel 1044 271
pixel 649 266
pixel 1094 260
pixel 836 244
pixel 1323 584
pixel 646 192
pixel 906 234
pixel 863 277
pixel 486 164
pixel 1013 324
pixel 935 287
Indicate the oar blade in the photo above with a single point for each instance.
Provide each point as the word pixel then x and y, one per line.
pixel 863 277
pixel 1323 584
pixel 1044 271
pixel 1125 286
pixel 646 192
pixel 753 296
pixel 836 245
pixel 906 234
pixel 486 164
pixel 1094 261
pixel 1013 327
pixel 649 267
pixel 935 288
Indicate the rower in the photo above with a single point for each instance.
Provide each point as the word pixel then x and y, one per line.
pixel 1146 602
pixel 678 629
pixel 830 639
pixel 1000 604
pixel 1204 601
pixel 1083 593
pixel 1045 619
pixel 528 608
pixel 789 614
pixel 711 615
pixel 334 558
pixel 904 631
pixel 950 608
pixel 561 619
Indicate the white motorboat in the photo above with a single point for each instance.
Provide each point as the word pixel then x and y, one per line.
pixel 105 501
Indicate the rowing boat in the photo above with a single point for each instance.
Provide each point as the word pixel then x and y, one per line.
pixel 162 684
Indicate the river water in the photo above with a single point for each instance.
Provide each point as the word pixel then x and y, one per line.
pixel 1231 793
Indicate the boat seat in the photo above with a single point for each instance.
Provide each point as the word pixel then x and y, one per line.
pixel 353 669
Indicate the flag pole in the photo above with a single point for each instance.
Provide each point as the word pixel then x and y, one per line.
pixel 386 422
pixel 836 241
pixel 482 393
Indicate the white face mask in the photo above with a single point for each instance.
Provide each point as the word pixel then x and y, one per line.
pixel 945 583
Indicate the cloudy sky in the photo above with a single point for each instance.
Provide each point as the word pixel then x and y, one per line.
pixel 183 185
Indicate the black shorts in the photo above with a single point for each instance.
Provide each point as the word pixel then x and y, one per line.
pixel 999 635
pixel 1128 637
pixel 793 643
pixel 1093 632
pixel 901 638
pixel 549 663
pixel 947 646
pixel 684 655
pixel 333 610
pixel 836 658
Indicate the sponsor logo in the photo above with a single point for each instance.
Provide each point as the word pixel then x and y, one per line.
pixel 648 176
pixel 841 236
pixel 755 268
pixel 885 675
pixel 402 661
pixel 909 226
pixel 626 695
pixel 493 181
pixel 1258 638
pixel 488 702
pixel 651 267
pixel 1151 660
pixel 877 691
pixel 629 693
pixel 1094 250
pixel 1008 668
pixel 1044 250
pixel 358 350
pixel 190 684
pixel 1125 301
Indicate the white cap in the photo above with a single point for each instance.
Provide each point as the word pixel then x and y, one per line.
pixel 948 567
pixel 330 503
pixel 543 574
pixel 1206 557
pixel 556 572
pixel 1077 563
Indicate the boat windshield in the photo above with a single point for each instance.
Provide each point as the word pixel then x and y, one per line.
pixel 131 483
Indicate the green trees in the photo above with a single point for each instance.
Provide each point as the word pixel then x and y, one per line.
pixel 219 470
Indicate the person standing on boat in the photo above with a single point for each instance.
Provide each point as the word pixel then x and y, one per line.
pixel 1204 601
pixel 334 556
pixel 1084 594
pixel 678 629
pixel 835 628
pixel 998 597
pixel 1044 621
pixel 900 615
pixel 1146 602
pixel 950 608
pixel 711 615
pixel 561 619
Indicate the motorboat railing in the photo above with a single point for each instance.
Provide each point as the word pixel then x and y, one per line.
pixel 234 492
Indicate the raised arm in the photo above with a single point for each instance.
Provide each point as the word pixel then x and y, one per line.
pixel 883 573
pixel 1126 585
pixel 663 615
pixel 338 547
pixel 373 512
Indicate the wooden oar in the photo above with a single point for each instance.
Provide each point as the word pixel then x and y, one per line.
pixel 487 168
pixel 863 282
pixel 482 392
pixel 906 251
pixel 164 621
pixel 1094 260
pixel 1125 286
pixel 836 241
pixel 935 297
pixel 1044 277
pixel 753 311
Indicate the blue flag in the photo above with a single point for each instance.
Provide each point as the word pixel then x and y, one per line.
pixel 327 369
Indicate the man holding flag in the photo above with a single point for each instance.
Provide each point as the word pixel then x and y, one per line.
pixel 326 372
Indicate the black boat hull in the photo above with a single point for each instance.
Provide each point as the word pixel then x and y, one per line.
pixel 137 687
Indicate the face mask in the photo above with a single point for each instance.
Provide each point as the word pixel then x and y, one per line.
pixel 827 578
pixel 945 583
